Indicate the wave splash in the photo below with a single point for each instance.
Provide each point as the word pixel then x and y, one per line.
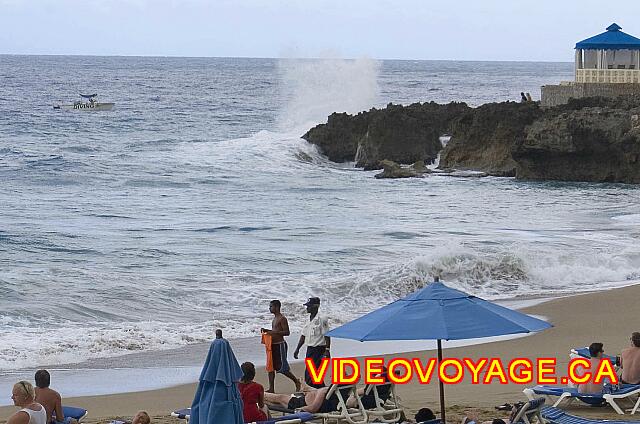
pixel 496 275
pixel 499 274
pixel 315 88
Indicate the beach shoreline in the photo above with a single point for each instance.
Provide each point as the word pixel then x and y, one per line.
pixel 172 367
pixel 614 309
pixel 168 368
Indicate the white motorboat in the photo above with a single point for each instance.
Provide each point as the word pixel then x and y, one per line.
pixel 89 104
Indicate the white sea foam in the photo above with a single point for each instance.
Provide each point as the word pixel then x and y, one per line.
pixel 507 274
pixel 499 275
pixel 27 346
pixel 628 219
pixel 266 153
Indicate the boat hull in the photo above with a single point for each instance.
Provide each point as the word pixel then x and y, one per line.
pixel 86 106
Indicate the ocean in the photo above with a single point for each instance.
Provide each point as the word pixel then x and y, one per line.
pixel 195 202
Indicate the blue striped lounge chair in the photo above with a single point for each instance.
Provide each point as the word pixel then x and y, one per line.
pixel 627 391
pixel 558 416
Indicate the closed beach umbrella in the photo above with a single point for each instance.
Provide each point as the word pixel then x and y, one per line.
pixel 217 400
pixel 438 312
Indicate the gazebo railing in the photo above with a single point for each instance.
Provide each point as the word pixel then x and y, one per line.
pixel 608 75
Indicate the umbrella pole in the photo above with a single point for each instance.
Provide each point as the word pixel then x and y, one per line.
pixel 442 413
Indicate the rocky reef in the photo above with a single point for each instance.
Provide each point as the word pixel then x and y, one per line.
pixel 392 169
pixel 403 134
pixel 482 138
pixel 583 141
pixel 590 139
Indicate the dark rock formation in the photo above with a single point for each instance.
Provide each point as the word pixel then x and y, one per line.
pixel 394 170
pixel 463 174
pixel 482 138
pixel 338 139
pixel 589 139
pixel 420 167
pixel 403 134
pixel 406 134
pixel 590 144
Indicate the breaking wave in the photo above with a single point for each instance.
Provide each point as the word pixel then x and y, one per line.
pixel 316 88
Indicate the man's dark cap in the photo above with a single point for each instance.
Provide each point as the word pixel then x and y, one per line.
pixel 313 301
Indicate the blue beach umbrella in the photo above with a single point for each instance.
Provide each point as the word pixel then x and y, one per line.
pixel 438 312
pixel 217 400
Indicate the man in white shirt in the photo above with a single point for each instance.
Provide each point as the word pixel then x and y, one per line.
pixel 313 334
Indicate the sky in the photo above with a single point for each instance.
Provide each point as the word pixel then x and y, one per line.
pixel 518 30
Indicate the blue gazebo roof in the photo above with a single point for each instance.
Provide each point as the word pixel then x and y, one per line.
pixel 611 39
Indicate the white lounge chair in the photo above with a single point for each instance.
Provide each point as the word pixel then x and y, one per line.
pixel 626 392
pixel 529 411
pixel 381 402
pixel 336 400
pixel 343 413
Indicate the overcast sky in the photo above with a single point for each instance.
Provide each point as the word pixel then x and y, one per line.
pixel 541 30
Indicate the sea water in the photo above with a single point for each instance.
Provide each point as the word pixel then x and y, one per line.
pixel 195 202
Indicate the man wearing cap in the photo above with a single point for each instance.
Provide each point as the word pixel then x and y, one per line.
pixel 313 334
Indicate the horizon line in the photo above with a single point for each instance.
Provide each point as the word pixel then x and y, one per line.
pixel 278 58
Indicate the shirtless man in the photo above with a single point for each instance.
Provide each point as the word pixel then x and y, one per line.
pixel 49 398
pixel 630 361
pixel 313 400
pixel 279 329
pixel 596 351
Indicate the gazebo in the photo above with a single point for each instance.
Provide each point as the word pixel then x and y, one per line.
pixel 610 57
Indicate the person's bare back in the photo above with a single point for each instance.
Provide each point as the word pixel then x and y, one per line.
pixel 49 398
pixel 52 402
pixel 630 358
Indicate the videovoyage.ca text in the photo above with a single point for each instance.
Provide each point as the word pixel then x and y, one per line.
pixel 455 370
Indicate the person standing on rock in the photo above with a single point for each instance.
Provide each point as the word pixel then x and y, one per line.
pixel 313 334
pixel 523 97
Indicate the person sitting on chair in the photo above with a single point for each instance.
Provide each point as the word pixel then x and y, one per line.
pixel 368 399
pixel 630 361
pixel 32 412
pixel 50 399
pixel 424 414
pixel 596 351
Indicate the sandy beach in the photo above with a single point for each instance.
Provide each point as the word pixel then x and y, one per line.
pixel 610 316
